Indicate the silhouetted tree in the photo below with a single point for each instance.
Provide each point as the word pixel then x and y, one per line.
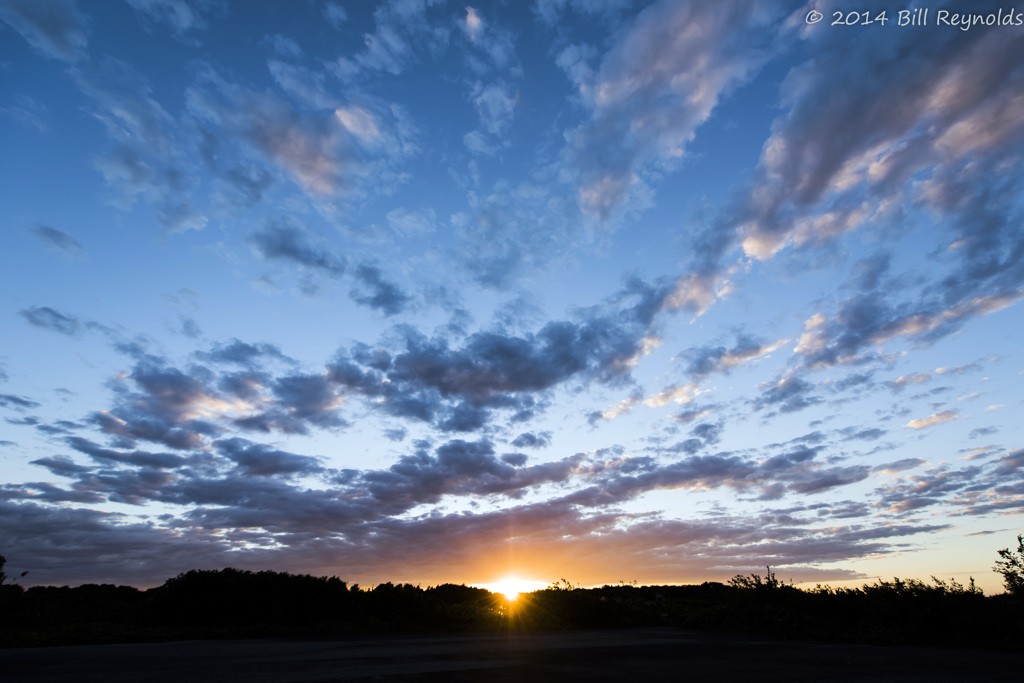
pixel 1011 565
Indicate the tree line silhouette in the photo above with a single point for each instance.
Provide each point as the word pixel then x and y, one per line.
pixel 234 603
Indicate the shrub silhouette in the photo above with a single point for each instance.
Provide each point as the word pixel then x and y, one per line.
pixel 754 581
pixel 1011 565
pixel 453 594
pixel 234 596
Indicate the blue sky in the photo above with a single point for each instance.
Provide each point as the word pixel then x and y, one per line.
pixel 427 292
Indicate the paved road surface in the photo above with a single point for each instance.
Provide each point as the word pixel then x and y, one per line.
pixel 633 655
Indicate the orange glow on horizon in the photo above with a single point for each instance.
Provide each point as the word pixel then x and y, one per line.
pixel 511 587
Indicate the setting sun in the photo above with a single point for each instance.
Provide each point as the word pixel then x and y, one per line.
pixel 510 594
pixel 511 587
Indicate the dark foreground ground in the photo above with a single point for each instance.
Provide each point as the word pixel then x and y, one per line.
pixel 614 655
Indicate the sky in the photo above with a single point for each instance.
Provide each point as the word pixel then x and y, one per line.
pixel 427 292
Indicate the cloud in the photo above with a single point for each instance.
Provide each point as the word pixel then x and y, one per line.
pixel 473 24
pixel 291 404
pixel 1010 464
pixel 867 320
pixel 61 465
pixel 707 360
pixel 615 543
pixel 54 27
pixel 866 434
pixel 310 398
pixel 660 81
pixel 790 394
pixel 133 175
pixel 693 415
pixel 332 148
pixel 241 353
pixel 411 224
pixel 159 403
pixel 900 465
pixel 311 528
pixel 58 240
pixel 517 229
pixel 426 379
pixel 246 385
pixel 312 148
pixel 495 43
pixel 181 15
pixel 131 487
pixel 47 492
pixel 550 11
pixel 17 402
pixel 860 379
pixel 459 467
pixel 874 155
pixel 285 239
pixel 359 519
pixel 709 432
pixel 28 112
pixel 703 436
pixel 422 477
pixel 512 231
pixel 137 458
pixel 125 105
pixel 72 536
pixel 403 29
pixel 261 460
pixel 532 440
pixel 495 105
pixel 240 181
pixel 695 292
pixel 823 174
pixel 374 291
pixel 308 87
pixel 146 158
pixel 148 428
pixel 958 370
pixel 335 13
pixel 46 318
pixel 188 327
pixel 183 297
pixel 793 471
pixel 822 480
pixel 283 45
pixel 787 460
pixel 924 490
pixel 673 393
pixel 396 434
pixel 900 383
pixel 932 420
pixel 60 427
pixel 950 85
pixel 515 459
pixel 867 273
